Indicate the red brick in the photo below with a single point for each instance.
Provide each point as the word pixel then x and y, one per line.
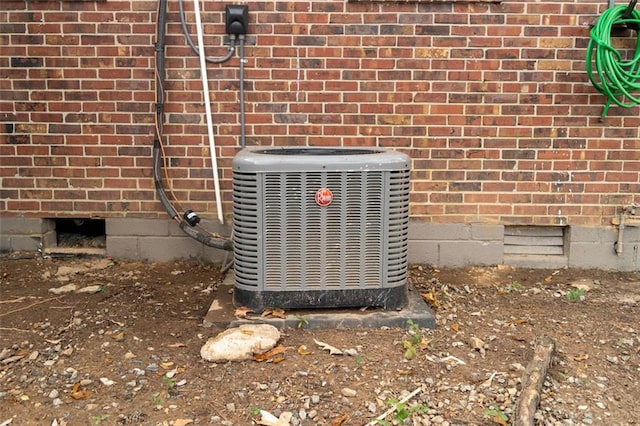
pixel 493 210
pixel 23 206
pixel 69 172
pixel 56 206
pixel 36 194
pixel 469 102
pixel 69 194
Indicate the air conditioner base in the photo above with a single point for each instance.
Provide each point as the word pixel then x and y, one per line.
pixel 221 314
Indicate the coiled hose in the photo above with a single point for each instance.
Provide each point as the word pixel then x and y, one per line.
pixel 616 78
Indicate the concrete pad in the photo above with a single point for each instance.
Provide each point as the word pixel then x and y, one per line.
pixel 221 314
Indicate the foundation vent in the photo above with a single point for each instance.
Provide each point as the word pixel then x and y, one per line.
pixel 534 241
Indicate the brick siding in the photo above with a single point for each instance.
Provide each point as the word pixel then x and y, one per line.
pixel 490 100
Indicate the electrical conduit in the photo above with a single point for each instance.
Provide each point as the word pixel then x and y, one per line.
pixel 196 50
pixel 243 132
pixel 158 158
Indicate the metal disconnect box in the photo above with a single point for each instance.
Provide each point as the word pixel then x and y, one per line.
pixel 320 227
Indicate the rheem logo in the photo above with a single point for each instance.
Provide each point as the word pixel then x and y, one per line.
pixel 324 197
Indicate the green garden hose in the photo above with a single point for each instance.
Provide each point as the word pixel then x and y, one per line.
pixel 616 78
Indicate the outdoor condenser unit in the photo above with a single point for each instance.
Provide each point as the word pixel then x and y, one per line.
pixel 320 227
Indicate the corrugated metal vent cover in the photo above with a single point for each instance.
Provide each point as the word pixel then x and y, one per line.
pixel 293 252
pixel 534 240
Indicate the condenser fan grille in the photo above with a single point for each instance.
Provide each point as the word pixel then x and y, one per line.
pixel 308 247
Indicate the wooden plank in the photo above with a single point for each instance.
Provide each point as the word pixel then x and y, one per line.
pixel 543 250
pixel 533 240
pixel 628 221
pixel 537 231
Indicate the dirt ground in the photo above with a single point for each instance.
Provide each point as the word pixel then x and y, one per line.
pixel 124 348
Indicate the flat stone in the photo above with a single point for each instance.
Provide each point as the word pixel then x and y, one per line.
pixel 69 270
pixel 92 289
pixel 106 381
pixel 240 343
pixel 348 392
pixel 64 289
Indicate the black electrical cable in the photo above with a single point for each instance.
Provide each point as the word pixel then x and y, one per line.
pixel 159 77
pixel 209 240
pixel 194 47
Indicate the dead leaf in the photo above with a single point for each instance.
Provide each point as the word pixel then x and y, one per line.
pixel 166 365
pixel 431 298
pixel 242 311
pixel 76 393
pixel 516 322
pixel 176 345
pixel 583 357
pixel 499 421
pixel 303 350
pixel 182 422
pixel 274 312
pixel 179 370
pixel 280 349
pixel 339 420
pixel 582 286
pixel 118 337
pixel 23 352
pixel 425 343
pixel 548 279
pixel 326 347
pixel 477 344
pixel 455 327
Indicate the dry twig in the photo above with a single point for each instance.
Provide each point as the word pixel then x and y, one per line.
pixel 19 299
pixel 24 308
pixel 395 406
pixel 22 330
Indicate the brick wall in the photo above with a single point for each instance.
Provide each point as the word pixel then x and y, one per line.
pixel 490 100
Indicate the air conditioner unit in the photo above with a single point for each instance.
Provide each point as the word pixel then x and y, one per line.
pixel 320 227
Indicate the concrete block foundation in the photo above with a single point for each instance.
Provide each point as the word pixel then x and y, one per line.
pixel 23 234
pixel 457 245
pixel 160 240
pixel 443 245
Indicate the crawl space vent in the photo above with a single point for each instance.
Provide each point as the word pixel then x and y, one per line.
pixel 534 240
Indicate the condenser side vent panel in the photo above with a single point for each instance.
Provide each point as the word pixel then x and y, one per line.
pixel 246 221
pixel 290 251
